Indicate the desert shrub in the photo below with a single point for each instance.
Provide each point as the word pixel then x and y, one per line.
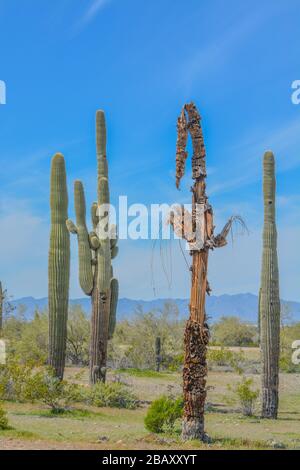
pixel 286 364
pixel 226 357
pixel 231 331
pixel 176 362
pixel 77 352
pixel 133 344
pixel 3 419
pixel 30 383
pixel 289 334
pixel 27 340
pixel 13 380
pixel 114 395
pixel 245 395
pixel 44 387
pixel 142 372
pixel 163 413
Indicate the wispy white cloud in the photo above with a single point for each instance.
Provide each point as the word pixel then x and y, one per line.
pixel 91 12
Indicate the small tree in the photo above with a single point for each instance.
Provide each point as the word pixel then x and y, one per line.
pixel 246 396
pixel 230 331
pixel 6 306
pixel 78 336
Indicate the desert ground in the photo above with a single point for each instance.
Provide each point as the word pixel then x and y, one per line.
pixel 84 427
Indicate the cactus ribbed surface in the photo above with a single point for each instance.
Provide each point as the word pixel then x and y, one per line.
pixel 269 304
pixel 58 266
pixel 114 295
pixel 96 250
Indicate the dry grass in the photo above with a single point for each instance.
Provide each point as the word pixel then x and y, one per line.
pixel 107 428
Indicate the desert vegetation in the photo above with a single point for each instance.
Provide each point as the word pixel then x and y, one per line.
pixel 165 374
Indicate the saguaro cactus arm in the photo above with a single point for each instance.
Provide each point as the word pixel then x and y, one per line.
pixel 84 249
pixel 104 254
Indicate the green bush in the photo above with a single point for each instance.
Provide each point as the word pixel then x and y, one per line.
pixel 114 395
pixel 176 362
pixel 13 379
pixel 44 387
pixel 246 396
pixel 225 357
pixel 289 333
pixel 286 364
pixel 30 383
pixel 3 419
pixel 133 344
pixel 28 340
pixel 231 331
pixel 163 413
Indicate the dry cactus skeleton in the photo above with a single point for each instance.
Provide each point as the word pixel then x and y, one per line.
pixel 198 230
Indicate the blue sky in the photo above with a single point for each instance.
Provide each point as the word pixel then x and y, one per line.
pixel 140 62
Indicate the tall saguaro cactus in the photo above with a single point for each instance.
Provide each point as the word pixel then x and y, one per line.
pixel 96 250
pixel 58 266
pixel 269 304
pixel 198 230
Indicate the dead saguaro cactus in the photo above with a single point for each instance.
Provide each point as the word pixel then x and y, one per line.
pixel 96 250
pixel 198 230
pixel 269 300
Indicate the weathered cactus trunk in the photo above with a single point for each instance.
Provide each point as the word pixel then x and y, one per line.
pixel 197 229
pixel 58 266
pixel 269 303
pixel 96 250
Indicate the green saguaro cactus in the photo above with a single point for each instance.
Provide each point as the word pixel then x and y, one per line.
pixel 58 266
pixel 269 301
pixel 96 250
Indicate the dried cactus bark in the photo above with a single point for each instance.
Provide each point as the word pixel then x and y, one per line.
pixel 181 153
pixel 269 303
pixel 58 266
pixel 197 229
pixel 96 250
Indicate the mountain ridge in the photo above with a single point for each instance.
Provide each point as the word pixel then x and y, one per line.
pixel 244 306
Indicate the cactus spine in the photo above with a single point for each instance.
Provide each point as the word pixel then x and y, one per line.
pixel 269 304
pixel 58 266
pixel 96 250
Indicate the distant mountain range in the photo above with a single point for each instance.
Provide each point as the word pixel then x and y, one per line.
pixel 243 306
